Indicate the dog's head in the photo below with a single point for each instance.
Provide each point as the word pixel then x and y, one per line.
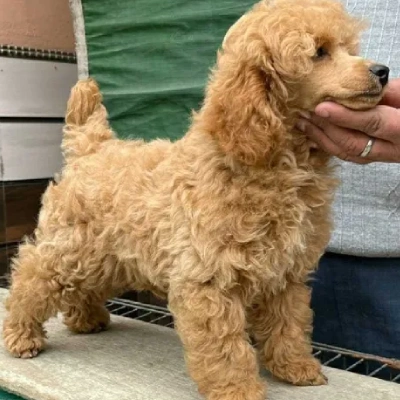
pixel 282 57
pixel 310 47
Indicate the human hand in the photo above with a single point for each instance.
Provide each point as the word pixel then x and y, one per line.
pixel 346 133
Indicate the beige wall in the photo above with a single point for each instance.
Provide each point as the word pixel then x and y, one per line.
pixel 44 24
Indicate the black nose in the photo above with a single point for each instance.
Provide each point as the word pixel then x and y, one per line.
pixel 381 71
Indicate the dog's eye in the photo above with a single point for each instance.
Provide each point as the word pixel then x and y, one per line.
pixel 321 52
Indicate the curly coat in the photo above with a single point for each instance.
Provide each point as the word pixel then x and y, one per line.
pixel 228 222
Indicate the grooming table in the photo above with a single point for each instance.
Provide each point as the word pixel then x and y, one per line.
pixel 135 360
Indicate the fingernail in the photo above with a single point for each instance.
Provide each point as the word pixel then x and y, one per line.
pixel 305 114
pixel 313 145
pixel 301 126
pixel 322 112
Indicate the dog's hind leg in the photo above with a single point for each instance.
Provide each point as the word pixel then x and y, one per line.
pixel 34 298
pixel 87 316
pixel 84 310
pixel 83 304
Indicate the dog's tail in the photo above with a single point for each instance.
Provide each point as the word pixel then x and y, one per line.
pixel 86 125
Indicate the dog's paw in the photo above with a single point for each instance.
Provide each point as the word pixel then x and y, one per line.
pixel 35 347
pixel 319 379
pixel 305 372
pixel 97 321
pixel 247 391
pixel 91 327
pixel 21 345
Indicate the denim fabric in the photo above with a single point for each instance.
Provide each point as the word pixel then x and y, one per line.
pixel 356 302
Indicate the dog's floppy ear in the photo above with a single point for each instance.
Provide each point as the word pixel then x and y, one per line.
pixel 248 89
pixel 241 111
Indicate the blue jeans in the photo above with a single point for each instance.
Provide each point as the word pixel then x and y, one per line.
pixel 356 302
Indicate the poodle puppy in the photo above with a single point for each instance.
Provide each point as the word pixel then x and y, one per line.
pixel 227 223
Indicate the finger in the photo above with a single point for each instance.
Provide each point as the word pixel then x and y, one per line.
pixel 350 143
pixel 317 135
pixel 392 94
pixel 382 151
pixel 380 122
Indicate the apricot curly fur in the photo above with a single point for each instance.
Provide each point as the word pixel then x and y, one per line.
pixel 227 222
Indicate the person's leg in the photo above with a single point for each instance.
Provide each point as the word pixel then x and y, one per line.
pixel 327 323
pixel 356 301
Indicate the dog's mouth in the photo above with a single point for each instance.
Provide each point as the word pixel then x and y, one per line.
pixel 369 94
pixel 358 100
pixel 372 94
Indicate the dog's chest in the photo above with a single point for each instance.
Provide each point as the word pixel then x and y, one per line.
pixel 283 227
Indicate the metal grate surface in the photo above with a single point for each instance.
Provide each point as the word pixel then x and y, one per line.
pixel 330 356
pixel 143 312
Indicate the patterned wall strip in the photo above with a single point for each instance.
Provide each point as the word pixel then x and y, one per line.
pixel 36 54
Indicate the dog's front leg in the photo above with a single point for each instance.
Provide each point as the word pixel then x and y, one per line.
pixel 219 356
pixel 282 325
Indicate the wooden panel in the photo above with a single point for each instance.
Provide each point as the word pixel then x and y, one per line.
pixel 6 253
pixel 3 261
pixel 31 88
pixel 22 204
pixel 44 24
pixel 30 150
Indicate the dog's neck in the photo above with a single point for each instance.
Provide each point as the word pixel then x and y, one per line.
pixel 250 117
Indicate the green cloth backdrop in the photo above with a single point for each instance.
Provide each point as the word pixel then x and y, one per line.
pixel 152 58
